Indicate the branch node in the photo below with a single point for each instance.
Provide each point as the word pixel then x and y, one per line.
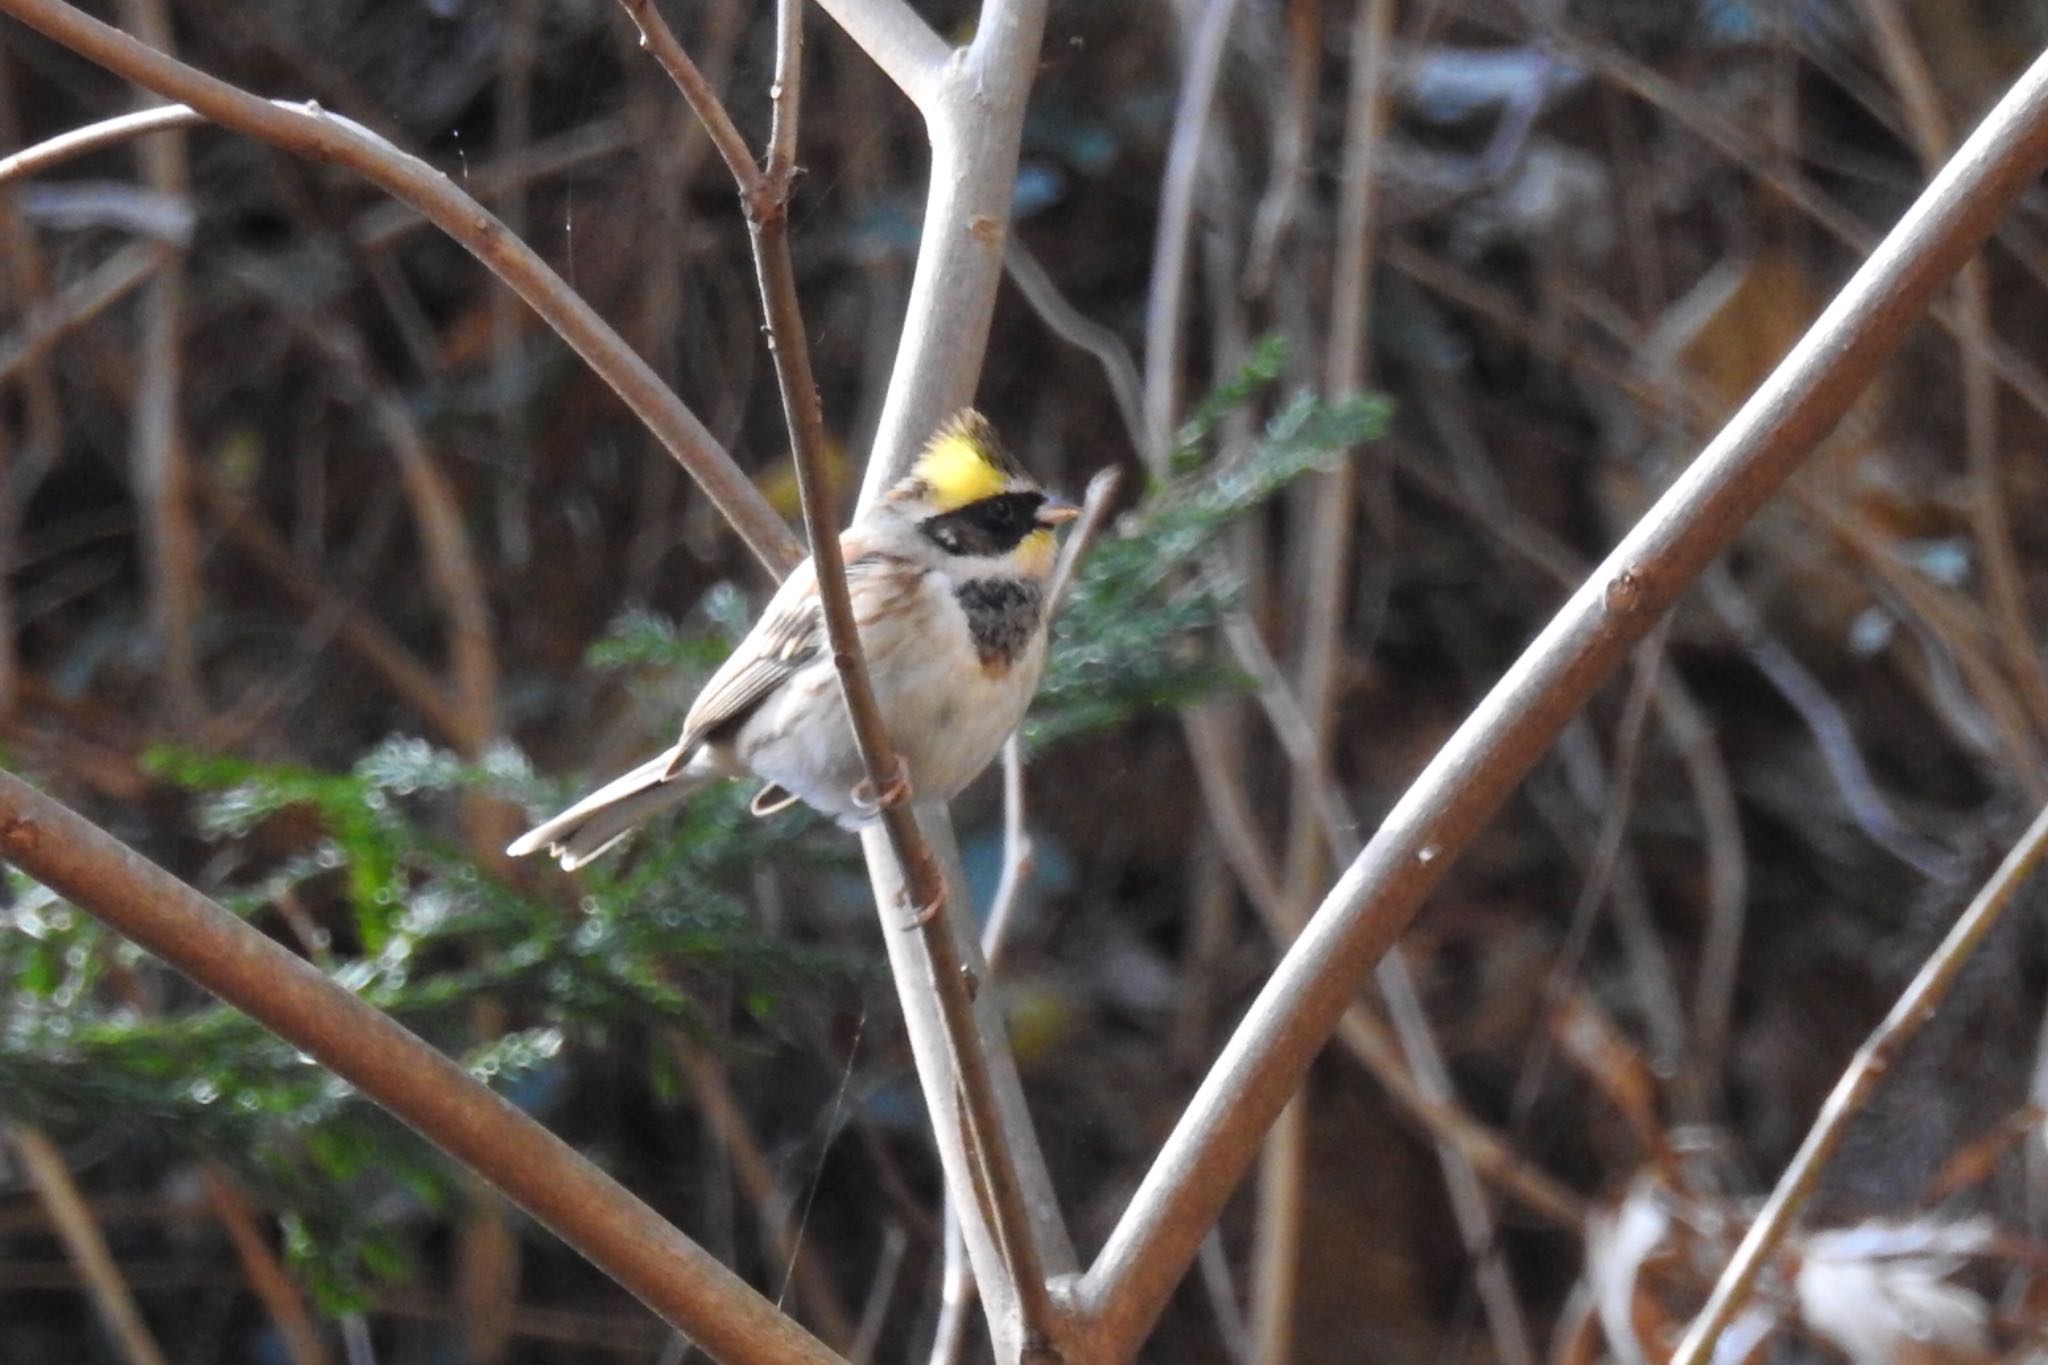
pixel 1626 592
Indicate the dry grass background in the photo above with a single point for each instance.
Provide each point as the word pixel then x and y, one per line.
pixel 1599 225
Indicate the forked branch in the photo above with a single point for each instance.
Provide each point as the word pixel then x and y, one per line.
pixel 765 192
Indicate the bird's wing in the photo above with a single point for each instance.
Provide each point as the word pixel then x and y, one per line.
pixel 789 635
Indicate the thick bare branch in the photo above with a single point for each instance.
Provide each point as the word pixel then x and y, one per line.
pixel 1379 894
pixel 898 41
pixel 974 114
pixel 930 906
pixel 1018 1272
pixel 534 1168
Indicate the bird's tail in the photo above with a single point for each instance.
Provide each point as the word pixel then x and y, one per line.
pixel 607 815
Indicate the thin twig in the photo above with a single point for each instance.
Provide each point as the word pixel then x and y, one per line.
pixel 96 137
pixel 1873 1062
pixel 159 465
pixel 280 1297
pixel 766 199
pixel 1379 894
pixel 1422 1068
pixel 1076 328
pixel 1276 1241
pixel 1614 800
pixel 1017 849
pixel 1405 1067
pixel 660 41
pixel 83 300
pixel 874 1309
pixel 956 1295
pixel 1945 616
pixel 451 562
pixel 85 1244
pixel 312 132
pixel 755 1175
pixel 1095 508
pixel 2004 587
pixel 354 627
pixel 1293 140
pixel 1831 731
pixel 1017 859
pixel 1168 288
pixel 485 1132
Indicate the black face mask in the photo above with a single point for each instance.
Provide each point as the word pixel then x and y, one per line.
pixel 992 526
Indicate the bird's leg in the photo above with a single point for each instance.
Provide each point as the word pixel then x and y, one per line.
pixel 894 792
pixel 925 914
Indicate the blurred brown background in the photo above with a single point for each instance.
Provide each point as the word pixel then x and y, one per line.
pixel 243 398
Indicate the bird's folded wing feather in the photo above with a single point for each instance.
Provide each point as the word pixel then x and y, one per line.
pixel 789 635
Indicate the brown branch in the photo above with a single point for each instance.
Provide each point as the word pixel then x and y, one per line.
pixel 159 464
pixel 931 915
pixel 1503 738
pixel 86 1245
pixel 660 41
pixel 313 133
pixel 1873 1061
pixel 297 1330
pixel 1433 1107
pixel 486 1133
pixel 752 1171
pixel 2004 586
pixel 765 195
pixel 105 285
pixel 409 679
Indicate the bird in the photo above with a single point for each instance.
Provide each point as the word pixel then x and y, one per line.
pixel 948 572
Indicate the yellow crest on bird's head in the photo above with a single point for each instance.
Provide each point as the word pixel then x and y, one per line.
pixel 963 463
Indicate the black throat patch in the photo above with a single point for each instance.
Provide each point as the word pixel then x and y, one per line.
pixel 1002 615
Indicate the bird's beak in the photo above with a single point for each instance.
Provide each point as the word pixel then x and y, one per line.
pixel 1057 512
